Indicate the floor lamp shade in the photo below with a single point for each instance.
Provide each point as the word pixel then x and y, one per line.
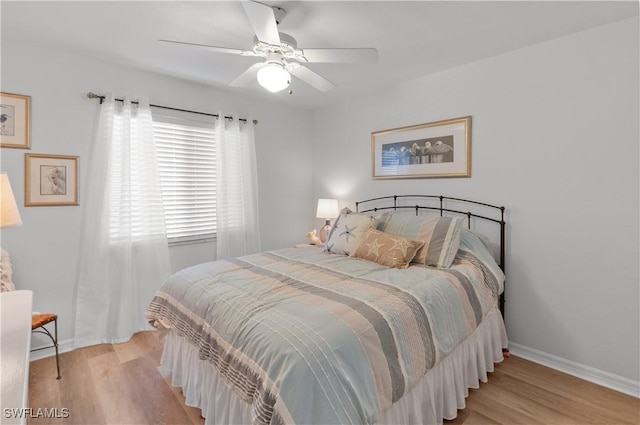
pixel 9 214
pixel 327 209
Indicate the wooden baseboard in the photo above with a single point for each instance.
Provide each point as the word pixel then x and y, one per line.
pixel 588 373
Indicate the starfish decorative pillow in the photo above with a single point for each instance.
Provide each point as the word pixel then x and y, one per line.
pixel 386 249
pixel 347 233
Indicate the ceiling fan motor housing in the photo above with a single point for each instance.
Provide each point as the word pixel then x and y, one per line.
pixel 286 48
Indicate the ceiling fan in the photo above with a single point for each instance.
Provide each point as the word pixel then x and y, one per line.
pixel 281 53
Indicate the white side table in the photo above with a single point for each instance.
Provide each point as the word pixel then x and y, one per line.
pixel 15 336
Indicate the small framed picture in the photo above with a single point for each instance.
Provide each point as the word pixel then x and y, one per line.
pixel 436 149
pixel 50 180
pixel 15 123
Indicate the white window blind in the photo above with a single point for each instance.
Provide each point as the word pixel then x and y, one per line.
pixel 186 157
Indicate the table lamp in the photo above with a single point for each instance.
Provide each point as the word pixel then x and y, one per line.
pixel 327 209
pixel 9 217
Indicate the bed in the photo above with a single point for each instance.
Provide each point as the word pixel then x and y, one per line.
pixel 391 323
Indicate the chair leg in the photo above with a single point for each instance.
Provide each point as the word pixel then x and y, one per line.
pixel 54 339
pixel 55 343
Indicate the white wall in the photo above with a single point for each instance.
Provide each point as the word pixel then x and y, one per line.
pixel 44 249
pixel 555 139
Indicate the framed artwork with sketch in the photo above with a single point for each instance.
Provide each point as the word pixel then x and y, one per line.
pixel 437 149
pixel 50 180
pixel 15 123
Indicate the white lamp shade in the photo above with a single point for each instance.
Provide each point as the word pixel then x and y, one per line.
pixel 274 77
pixel 327 208
pixel 9 214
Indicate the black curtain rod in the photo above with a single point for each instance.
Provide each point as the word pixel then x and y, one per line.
pixel 92 95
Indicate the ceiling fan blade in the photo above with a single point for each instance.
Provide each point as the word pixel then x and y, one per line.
pixel 263 21
pixel 313 79
pixel 211 48
pixel 366 55
pixel 248 76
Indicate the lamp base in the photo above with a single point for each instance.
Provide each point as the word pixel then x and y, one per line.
pixel 6 284
pixel 324 232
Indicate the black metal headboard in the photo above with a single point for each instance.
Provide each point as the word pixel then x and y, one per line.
pixel 444 204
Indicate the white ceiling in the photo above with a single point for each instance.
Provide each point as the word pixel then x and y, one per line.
pixel 413 38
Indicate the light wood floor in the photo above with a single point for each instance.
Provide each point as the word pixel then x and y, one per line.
pixel 119 384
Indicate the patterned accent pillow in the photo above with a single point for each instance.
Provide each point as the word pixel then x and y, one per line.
pixel 386 249
pixel 347 232
pixel 440 234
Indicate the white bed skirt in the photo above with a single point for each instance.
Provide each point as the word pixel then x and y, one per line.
pixel 439 395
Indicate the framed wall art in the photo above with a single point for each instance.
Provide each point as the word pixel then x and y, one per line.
pixel 50 180
pixel 437 149
pixel 15 121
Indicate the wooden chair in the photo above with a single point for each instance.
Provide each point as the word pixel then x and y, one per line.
pixel 38 322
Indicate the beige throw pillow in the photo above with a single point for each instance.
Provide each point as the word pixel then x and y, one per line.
pixel 386 249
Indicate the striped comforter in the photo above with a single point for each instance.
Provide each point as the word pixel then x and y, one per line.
pixel 309 337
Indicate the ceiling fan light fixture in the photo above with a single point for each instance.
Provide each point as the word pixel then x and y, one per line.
pixel 283 58
pixel 274 77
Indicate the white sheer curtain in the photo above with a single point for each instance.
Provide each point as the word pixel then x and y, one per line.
pixel 238 232
pixel 124 255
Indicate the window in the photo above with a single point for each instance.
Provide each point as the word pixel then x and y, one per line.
pixel 186 152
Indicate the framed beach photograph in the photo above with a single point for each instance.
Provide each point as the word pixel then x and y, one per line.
pixel 436 149
pixel 50 180
pixel 15 122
